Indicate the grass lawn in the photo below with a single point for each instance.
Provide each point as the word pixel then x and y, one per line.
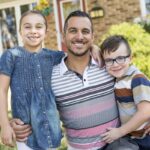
pixel 3 147
pixel 62 147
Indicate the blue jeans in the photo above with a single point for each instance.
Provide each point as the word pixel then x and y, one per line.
pixel 124 143
pixel 144 144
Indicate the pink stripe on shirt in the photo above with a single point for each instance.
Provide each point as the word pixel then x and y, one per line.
pixel 93 130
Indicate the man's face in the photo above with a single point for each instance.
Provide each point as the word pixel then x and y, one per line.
pixel 78 36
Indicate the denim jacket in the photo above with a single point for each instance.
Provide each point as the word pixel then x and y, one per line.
pixel 32 98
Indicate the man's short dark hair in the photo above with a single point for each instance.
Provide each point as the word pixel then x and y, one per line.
pixel 112 43
pixel 77 13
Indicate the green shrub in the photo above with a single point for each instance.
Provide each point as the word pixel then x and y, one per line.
pixel 139 41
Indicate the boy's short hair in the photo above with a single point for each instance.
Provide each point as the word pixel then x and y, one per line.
pixel 77 13
pixel 112 43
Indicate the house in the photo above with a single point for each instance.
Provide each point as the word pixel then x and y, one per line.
pixel 104 13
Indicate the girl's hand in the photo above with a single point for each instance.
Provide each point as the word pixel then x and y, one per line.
pixel 8 136
pixel 111 135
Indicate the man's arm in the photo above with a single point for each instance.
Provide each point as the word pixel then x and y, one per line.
pixel 21 130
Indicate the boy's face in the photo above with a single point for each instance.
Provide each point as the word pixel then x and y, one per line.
pixel 33 30
pixel 117 63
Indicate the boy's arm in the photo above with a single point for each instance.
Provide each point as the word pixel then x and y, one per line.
pixel 141 116
pixel 7 133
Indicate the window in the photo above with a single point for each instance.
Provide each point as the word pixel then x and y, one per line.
pixel 10 13
pixel 145 7
pixel 148 6
pixel 8 28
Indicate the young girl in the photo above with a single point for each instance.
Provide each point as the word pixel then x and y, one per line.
pixel 27 70
pixel 132 89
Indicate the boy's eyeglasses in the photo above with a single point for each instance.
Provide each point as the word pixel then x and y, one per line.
pixel 118 60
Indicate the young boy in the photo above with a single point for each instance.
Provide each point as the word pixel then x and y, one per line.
pixel 132 89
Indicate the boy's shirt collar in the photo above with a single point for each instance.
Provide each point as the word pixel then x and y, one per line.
pixel 129 72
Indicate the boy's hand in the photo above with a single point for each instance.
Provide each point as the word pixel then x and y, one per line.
pixel 111 135
pixel 8 136
pixel 21 130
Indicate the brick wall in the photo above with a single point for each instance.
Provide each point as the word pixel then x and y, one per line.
pixel 116 11
pixel 51 39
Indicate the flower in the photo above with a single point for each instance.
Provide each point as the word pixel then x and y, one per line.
pixel 44 6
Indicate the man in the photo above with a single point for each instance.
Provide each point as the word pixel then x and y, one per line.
pixel 84 92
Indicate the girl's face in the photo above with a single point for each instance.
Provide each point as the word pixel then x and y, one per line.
pixel 33 31
pixel 117 63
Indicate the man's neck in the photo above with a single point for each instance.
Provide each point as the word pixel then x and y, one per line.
pixel 77 64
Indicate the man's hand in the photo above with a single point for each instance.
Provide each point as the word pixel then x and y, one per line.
pixel 21 130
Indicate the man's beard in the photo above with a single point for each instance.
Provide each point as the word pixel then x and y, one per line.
pixel 79 54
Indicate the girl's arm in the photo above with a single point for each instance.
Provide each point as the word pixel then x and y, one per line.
pixel 141 116
pixel 7 134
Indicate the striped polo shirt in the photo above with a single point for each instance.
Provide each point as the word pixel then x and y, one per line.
pixel 130 90
pixel 86 104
